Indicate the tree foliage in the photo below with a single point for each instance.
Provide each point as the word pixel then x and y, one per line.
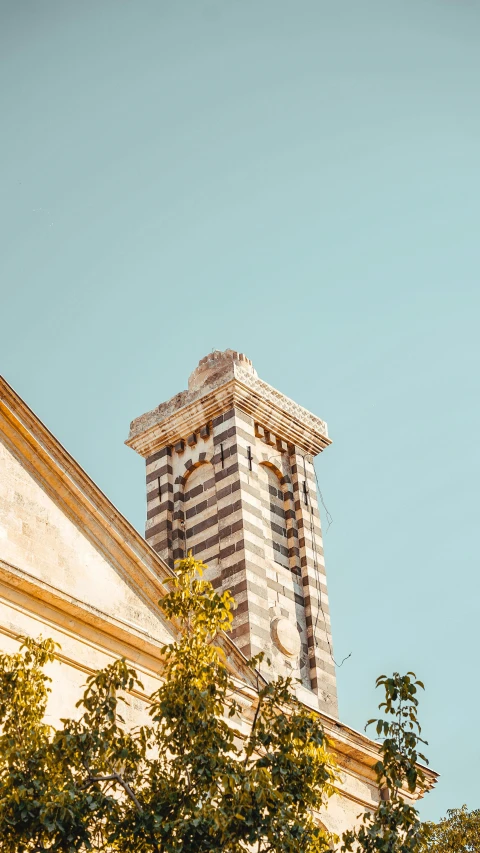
pixel 193 778
pixel 186 780
pixel 458 832
pixel 395 826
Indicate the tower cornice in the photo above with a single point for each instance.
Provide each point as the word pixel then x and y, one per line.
pixel 235 387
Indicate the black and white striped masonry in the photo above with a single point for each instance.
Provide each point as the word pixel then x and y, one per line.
pixel 229 469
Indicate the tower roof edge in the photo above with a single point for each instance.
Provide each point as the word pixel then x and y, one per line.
pixel 220 382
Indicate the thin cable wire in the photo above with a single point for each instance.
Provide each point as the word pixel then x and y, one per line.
pixel 317 570
pixel 327 514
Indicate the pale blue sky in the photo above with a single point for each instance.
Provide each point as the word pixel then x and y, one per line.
pixel 299 181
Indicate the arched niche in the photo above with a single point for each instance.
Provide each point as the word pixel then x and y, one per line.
pixel 274 508
pixel 200 513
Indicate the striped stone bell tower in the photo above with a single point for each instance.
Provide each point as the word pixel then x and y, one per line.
pixel 230 476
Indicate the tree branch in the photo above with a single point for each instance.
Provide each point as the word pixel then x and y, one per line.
pixel 113 777
pixel 254 723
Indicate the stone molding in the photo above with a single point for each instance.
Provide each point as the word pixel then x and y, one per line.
pixel 237 388
pixel 87 506
pixel 268 392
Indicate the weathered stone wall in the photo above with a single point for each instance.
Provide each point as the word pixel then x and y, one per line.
pixel 37 537
pixel 46 550
pixel 77 659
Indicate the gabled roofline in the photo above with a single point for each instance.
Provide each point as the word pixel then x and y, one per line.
pixel 90 509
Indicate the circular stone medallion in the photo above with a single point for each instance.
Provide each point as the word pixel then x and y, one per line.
pixel 286 637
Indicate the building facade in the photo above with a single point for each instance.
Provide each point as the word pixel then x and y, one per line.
pixel 229 470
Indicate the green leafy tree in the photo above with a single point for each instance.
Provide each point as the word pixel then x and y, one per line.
pixel 458 832
pixel 395 826
pixel 187 780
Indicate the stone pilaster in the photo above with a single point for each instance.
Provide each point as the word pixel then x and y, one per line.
pixel 160 502
pixel 314 581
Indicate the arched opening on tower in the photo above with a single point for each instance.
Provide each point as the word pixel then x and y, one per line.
pixel 200 514
pixel 274 515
